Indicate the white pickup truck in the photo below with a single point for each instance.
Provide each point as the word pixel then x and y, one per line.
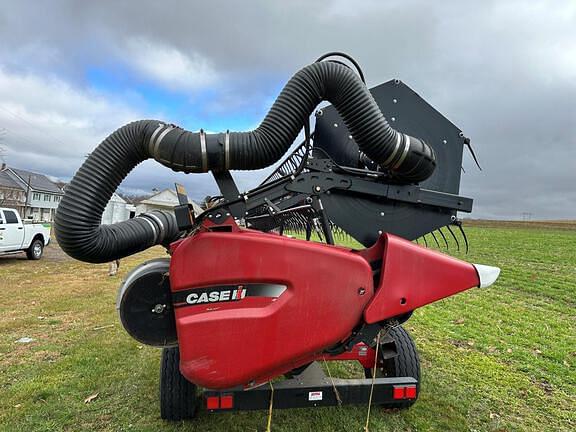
pixel 17 236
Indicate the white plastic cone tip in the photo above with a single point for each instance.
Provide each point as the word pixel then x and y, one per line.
pixel 487 274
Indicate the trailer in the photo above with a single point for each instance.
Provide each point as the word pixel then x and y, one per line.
pixel 256 298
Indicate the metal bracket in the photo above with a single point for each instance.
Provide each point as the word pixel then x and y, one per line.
pixel 230 192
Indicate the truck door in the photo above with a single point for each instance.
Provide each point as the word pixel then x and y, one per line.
pixel 11 231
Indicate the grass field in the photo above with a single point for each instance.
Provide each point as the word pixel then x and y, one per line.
pixel 496 359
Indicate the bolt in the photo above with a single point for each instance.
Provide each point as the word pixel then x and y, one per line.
pixel 444 142
pixel 379 232
pixel 361 291
pixel 335 124
pixel 218 215
pixel 393 119
pixel 381 213
pixel 350 137
pixel 227 214
pixel 396 81
pixel 158 309
pixel 319 113
pixel 461 134
pixel 395 100
pixel 210 216
pixel 317 188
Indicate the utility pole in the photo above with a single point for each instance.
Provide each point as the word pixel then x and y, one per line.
pixel 27 196
pixel 526 216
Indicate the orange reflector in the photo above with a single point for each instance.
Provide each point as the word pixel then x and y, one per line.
pixel 226 402
pixel 212 402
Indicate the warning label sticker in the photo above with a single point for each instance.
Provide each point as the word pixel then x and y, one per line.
pixel 314 395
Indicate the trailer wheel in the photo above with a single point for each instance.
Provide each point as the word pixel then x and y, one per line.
pixel 178 399
pixel 36 249
pixel 405 364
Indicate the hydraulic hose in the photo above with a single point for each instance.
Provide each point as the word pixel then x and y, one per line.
pixel 77 221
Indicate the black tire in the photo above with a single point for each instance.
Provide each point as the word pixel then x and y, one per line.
pixel 405 364
pixel 178 399
pixel 36 250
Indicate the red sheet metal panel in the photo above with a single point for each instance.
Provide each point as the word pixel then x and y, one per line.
pixel 226 342
pixel 413 276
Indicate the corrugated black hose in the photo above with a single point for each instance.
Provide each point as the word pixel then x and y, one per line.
pixel 77 222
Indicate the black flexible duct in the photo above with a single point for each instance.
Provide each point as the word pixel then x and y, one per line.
pixel 77 222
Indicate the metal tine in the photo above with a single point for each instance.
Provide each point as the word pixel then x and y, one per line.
pixel 454 236
pixel 424 238
pixel 444 238
pixel 435 239
pixel 416 240
pixel 459 225
pixel 340 233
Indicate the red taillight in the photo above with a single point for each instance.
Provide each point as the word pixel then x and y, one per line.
pixel 226 402
pixel 404 392
pixel 212 402
pixel 410 392
pixel 220 402
pixel 398 392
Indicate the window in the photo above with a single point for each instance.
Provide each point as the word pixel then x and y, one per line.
pixel 10 216
pixel 47 197
pixel 56 198
pixel 36 196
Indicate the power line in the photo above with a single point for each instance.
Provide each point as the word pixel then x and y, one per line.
pixel 20 138
pixel 19 117
pixel 527 216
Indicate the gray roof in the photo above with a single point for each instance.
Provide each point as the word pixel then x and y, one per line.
pixel 7 182
pixel 37 181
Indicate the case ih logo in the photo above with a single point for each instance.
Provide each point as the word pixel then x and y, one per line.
pixel 216 296
pixel 225 293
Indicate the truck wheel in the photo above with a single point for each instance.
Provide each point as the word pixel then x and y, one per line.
pixel 36 249
pixel 178 399
pixel 405 364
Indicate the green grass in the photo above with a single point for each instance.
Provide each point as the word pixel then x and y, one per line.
pixel 496 359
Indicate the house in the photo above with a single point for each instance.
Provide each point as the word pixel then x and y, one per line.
pixel 117 210
pixel 11 194
pixel 38 196
pixel 163 200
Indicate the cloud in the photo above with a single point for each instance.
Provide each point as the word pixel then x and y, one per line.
pixel 169 66
pixel 51 125
pixel 504 71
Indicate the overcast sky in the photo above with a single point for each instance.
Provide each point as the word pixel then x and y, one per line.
pixel 503 71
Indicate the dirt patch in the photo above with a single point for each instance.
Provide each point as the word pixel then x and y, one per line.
pixel 565 225
pixel 52 253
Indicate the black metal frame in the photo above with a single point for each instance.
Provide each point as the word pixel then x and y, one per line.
pixel 312 388
pixel 331 189
pixel 319 190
